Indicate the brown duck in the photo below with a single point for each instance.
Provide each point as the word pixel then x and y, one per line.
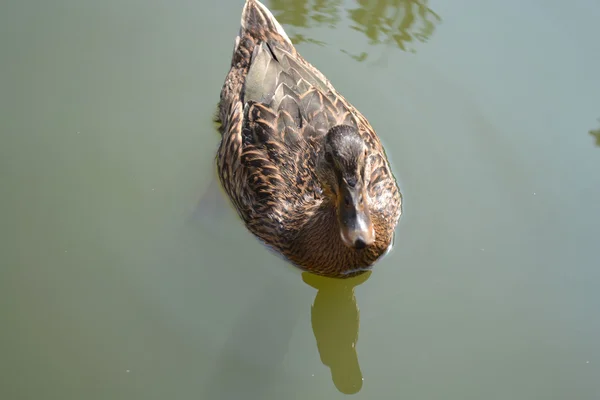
pixel 304 168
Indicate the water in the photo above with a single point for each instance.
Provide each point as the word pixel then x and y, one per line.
pixel 126 275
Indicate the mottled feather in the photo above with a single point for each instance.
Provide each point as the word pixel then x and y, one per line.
pixel 275 111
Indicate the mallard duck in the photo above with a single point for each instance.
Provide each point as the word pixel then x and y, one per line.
pixel 304 168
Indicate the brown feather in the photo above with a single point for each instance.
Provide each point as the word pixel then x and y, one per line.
pixel 275 111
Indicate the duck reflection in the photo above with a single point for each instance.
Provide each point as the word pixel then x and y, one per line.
pixel 335 322
pixel 400 23
pixel 596 134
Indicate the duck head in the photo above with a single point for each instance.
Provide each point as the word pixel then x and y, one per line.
pixel 343 172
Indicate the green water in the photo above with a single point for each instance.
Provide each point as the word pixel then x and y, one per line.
pixel 125 275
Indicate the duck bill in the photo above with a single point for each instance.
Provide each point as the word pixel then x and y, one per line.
pixel 356 228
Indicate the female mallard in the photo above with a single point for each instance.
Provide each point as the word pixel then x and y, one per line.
pixel 304 169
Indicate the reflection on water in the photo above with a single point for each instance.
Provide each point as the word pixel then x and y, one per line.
pixel 306 13
pixel 335 321
pixel 394 21
pixel 384 22
pixel 596 133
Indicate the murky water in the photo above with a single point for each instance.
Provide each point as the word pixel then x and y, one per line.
pixel 125 274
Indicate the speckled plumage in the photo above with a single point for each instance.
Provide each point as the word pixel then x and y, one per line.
pixel 275 111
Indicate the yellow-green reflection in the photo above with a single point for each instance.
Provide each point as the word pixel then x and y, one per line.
pixel 305 13
pixel 335 321
pixel 384 22
pixel 596 133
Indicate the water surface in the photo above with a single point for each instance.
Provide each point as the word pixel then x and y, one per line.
pixel 124 275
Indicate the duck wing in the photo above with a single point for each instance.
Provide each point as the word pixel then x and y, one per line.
pixel 287 100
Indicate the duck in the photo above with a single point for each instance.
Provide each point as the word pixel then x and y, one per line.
pixel 303 168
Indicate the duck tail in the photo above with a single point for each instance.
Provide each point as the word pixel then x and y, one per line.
pixel 256 17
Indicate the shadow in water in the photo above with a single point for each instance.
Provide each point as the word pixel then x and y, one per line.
pixel 398 23
pixel 212 205
pixel 596 134
pixel 335 321
pixel 251 360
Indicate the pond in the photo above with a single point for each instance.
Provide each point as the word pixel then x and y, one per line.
pixel 125 273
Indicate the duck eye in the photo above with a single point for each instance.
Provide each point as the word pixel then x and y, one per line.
pixel 351 181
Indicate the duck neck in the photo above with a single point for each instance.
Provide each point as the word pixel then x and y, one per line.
pixel 319 240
